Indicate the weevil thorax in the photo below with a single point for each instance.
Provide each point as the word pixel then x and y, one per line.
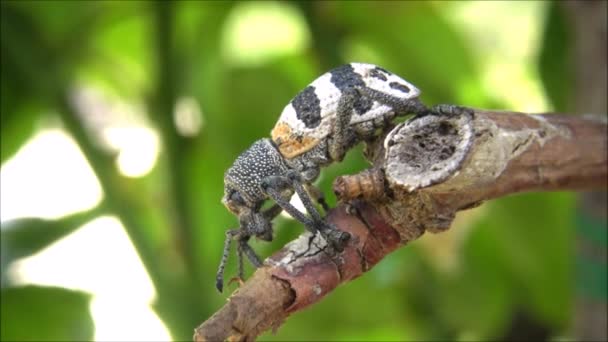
pixel 242 181
pixel 310 116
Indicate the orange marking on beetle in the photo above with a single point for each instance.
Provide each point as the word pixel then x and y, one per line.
pixel 291 145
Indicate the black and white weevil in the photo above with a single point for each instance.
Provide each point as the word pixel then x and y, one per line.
pixel 342 107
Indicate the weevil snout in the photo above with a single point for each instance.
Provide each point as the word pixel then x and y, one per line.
pixel 256 224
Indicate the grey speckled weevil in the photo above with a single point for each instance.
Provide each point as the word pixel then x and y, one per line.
pixel 342 107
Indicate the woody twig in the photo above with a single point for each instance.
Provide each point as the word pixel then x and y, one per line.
pixel 424 171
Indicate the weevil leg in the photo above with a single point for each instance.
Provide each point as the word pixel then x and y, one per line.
pixel 335 237
pixel 272 212
pixel 317 194
pixel 219 278
pixel 296 184
pixel 338 146
pixel 450 110
pixel 250 253
pixel 242 248
pixel 239 253
pixel 399 105
pixel 308 176
pixel 444 110
pixel 241 272
pixel 237 279
pixel 272 186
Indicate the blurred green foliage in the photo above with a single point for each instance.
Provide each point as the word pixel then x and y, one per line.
pixel 514 257
pixel 33 313
pixel 556 62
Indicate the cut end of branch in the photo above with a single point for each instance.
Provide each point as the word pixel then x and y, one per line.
pixel 427 150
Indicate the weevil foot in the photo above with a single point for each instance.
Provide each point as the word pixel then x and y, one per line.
pixel 336 238
pixel 351 209
pixel 219 284
pixel 239 280
pixel 450 110
pixel 445 110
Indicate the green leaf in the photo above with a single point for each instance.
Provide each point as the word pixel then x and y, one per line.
pixel 18 120
pixel 29 75
pixel 532 237
pixel 119 62
pixel 34 313
pixel 480 298
pixel 18 111
pixel 24 237
pixel 555 59
pixel 415 41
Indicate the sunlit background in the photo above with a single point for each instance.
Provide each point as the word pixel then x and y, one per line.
pixel 118 120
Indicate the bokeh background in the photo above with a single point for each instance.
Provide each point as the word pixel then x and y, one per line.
pixel 120 117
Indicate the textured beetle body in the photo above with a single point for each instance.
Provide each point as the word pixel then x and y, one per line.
pixel 258 162
pixel 336 111
pixel 311 116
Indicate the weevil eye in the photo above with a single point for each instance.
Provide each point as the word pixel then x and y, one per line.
pixel 233 201
pixel 236 198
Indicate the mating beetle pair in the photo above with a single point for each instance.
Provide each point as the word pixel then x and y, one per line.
pixel 342 107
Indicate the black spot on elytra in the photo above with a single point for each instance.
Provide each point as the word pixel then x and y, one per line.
pixel 401 87
pixel 378 73
pixel 345 77
pixel 384 70
pixel 307 107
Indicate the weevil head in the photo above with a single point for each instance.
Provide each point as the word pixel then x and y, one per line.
pixel 242 181
pixel 250 217
pixel 385 81
pixel 234 201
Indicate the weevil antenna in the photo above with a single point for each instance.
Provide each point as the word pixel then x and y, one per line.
pixel 219 278
pixel 272 212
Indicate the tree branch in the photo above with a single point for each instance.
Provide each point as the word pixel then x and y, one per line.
pixel 430 169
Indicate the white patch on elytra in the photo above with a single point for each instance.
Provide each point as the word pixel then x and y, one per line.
pixel 362 68
pixel 329 97
pixel 289 117
pixel 384 86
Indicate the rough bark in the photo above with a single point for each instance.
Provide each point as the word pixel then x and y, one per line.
pixel 484 155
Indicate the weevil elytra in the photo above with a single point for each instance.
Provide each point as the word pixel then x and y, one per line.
pixel 336 111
